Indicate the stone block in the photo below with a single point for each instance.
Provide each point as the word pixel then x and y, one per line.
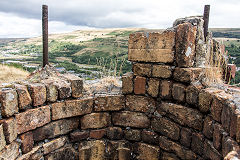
pixel 114 133
pixel 95 120
pixel 140 85
pixel 165 89
pixel 208 127
pixel 2 138
pixel 64 153
pixel 169 156
pixel 140 103
pixel 153 87
pixel 183 115
pixel 52 90
pixel 162 71
pixel 192 93
pixel 38 93
pixel 10 152
pixel 178 92
pixel 166 127
pixel 142 69
pixel 137 41
pixel 132 134
pixel 226 117
pixel 146 151
pixel 210 152
pixel 149 137
pixel 35 153
pixel 76 85
pixel 109 103
pixel 217 136
pixel 238 127
pixel 9 129
pixel 186 137
pixel 78 136
pixel 8 101
pixel 187 75
pixel 119 150
pixel 55 129
pixel 97 134
pixel 64 89
pixel 228 145
pixel 54 144
pixel 177 149
pixel 71 108
pixel 197 143
pixel 32 119
pixel 130 119
pixel 127 83
pixel 27 142
pixel 233 124
pixel 185 44
pixel 24 98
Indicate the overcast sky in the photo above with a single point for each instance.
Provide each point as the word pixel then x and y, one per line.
pixel 22 18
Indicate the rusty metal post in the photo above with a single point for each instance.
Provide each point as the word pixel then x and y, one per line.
pixel 45 34
pixel 206 19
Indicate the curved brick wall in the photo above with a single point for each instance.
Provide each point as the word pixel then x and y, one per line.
pixel 163 113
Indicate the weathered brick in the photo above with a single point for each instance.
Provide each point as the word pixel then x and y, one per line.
pixel 162 71
pixel 166 127
pixel 171 146
pixel 2 138
pixel 32 119
pixel 9 102
pixel 139 85
pixel 186 137
pixel 118 150
pixel 27 142
pixel 76 85
pixel 71 108
pixel 183 115
pixel 141 69
pixel 153 87
pixel 77 136
pixel 208 127
pixel 64 89
pixel 64 153
pixel 137 41
pixel 114 133
pixel 54 144
pixel 35 153
pixel 109 103
pixel 169 156
pixel 192 93
pixel 130 119
pixel 140 103
pixel 127 83
pixel 10 152
pixel 97 134
pixel 205 99
pixel 132 134
pixel 210 152
pixel 38 93
pixel 24 98
pixel 149 137
pixel 233 124
pixel 95 120
pixel 146 151
pixel 185 44
pixel 226 117
pixel 186 75
pixel 165 89
pixel 228 145
pixel 9 129
pixel 197 143
pixel 217 136
pixel 52 90
pixel 178 92
pixel 55 129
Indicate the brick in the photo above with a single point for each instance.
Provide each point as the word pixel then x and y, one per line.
pixel 38 93
pixel 149 137
pixel 217 136
pixel 197 143
pixel 165 89
pixel 27 142
pixel 208 127
pixel 141 69
pixel 24 98
pixel 185 44
pixel 153 87
pixel 169 156
pixel 177 149
pixel 9 102
pixel 146 151
pixel 51 90
pixel 210 152
pixel 77 136
pixel 95 120
pixel 64 89
pixel 166 127
pixel 114 133
pixel 132 134
pixel 178 92
pixel 139 85
pixel 162 71
pixel 64 153
pixel 127 83
pixel 228 145
pixel 54 144
pixel 2 138
pixel 71 108
pixel 97 134
pixel 233 124
pixel 109 103
pixel 140 103
pixel 183 115
pixel 226 117
pixel 32 119
pixel 186 137
pixel 192 93
pixel 55 129
pixel 130 119
pixel 76 85
pixel 35 153
pixel 238 127
pixel 118 150
pixel 187 75
pixel 10 152
pixel 9 129
pixel 137 41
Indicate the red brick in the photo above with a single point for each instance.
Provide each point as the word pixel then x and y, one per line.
pixel 165 89
pixel 97 134
pixel 139 85
pixel 38 93
pixel 27 142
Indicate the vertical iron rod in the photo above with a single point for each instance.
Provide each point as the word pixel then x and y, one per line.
pixel 206 19
pixel 45 34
